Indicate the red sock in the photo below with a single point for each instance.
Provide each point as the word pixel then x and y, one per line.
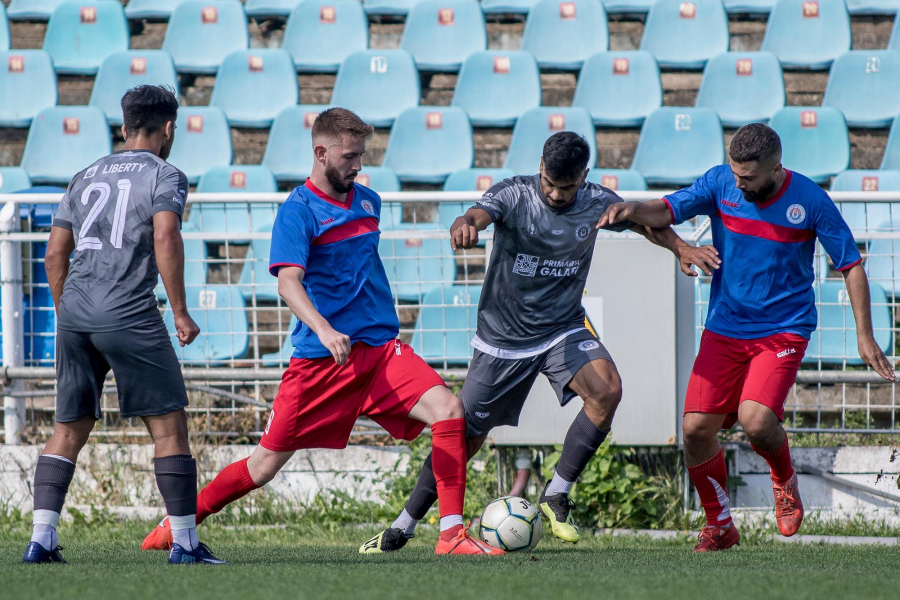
pixel 779 462
pixel 448 459
pixel 710 479
pixel 232 483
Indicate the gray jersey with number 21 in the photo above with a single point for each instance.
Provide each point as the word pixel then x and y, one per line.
pixel 109 207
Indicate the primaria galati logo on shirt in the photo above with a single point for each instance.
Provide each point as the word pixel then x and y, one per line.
pixel 559 268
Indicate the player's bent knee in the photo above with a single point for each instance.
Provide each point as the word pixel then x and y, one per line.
pixel 697 434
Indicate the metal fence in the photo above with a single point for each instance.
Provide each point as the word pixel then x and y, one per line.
pixel 234 367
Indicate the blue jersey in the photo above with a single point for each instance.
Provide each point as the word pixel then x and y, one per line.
pixel 336 243
pixel 764 285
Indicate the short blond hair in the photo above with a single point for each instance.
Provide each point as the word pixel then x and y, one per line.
pixel 335 123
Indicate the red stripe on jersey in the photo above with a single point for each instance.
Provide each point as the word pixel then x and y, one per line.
pixel 671 211
pixel 767 231
pixel 851 265
pixel 273 269
pixel 347 231
pixel 315 190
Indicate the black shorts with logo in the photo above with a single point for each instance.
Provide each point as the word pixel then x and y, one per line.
pixel 142 359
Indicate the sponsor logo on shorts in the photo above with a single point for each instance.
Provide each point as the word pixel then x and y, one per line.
pixel 367 206
pixel 796 214
pixel 482 415
pixel 587 345
pixel 582 232
pixel 526 265
pixel 787 352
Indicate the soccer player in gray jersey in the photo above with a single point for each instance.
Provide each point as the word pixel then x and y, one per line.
pixel 531 321
pixel 121 217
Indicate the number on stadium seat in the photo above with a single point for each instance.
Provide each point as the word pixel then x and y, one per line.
pixel 207 299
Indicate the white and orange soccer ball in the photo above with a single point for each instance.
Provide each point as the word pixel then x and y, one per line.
pixel 511 524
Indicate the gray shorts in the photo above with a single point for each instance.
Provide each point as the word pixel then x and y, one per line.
pixel 148 376
pixel 496 388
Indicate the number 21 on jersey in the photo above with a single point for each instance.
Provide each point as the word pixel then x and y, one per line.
pixel 86 242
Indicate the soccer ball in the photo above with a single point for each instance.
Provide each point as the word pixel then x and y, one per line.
pixel 511 524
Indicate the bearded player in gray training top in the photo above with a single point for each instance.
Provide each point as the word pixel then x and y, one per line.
pixel 121 217
pixel 531 321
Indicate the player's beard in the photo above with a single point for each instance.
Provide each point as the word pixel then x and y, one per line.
pixel 337 181
pixel 761 194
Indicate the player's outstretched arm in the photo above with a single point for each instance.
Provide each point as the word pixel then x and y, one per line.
pixel 169 249
pixel 653 213
pixel 705 258
pixel 290 288
pixel 869 350
pixel 464 231
pixel 56 260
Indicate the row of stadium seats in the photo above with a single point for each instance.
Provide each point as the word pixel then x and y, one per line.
pixel 441 34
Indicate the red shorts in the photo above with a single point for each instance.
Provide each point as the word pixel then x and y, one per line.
pixel 729 370
pixel 319 401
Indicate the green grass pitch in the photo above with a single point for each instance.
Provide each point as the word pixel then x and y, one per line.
pixel 297 562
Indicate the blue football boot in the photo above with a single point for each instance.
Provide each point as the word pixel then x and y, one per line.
pixel 200 554
pixel 35 553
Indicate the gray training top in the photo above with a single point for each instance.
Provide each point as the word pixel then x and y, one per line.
pixel 109 207
pixel 540 261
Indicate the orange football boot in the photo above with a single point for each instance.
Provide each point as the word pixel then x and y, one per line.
pixel 713 539
pixel 463 543
pixel 160 538
pixel 788 507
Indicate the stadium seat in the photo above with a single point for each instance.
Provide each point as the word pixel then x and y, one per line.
pixel 536 125
pixel 808 34
pixel 201 34
pixel 619 89
pixel 252 179
pixel 891 158
pixel 392 8
pixel 202 141
pixel 289 152
pixel 684 35
pixel 867 215
pixel 27 86
pixel 618 180
pixel 196 261
pixel 428 143
pixel 264 9
pixel 32 10
pixel 377 85
pixel 441 34
pixel 220 312
pixel 750 7
pixel 468 180
pixel 81 34
pixel 834 341
pixel 678 145
pixel 865 86
pixel 121 71
pixel 380 179
pixel 320 34
pixel 415 266
pixel 628 6
pixel 4 29
pixel 255 277
pixel 562 34
pixel 63 140
pixel 13 179
pixel 254 86
pixel 873 7
pixel 883 260
pixel 151 10
pixel 507 7
pixel 894 42
pixel 283 356
pixel 495 87
pixel 446 324
pixel 815 140
pixel 743 87
pixel 235 217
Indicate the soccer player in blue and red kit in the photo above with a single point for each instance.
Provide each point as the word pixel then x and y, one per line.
pixel 347 360
pixel 765 222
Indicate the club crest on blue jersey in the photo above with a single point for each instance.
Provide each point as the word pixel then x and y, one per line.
pixel 796 214
pixel 367 206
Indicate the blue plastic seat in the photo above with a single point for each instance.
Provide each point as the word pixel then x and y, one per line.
pixel 428 143
pixel 81 34
pixel 814 140
pixel 283 357
pixel 883 260
pixel 873 7
pixel 865 86
pixel 507 7
pixel 238 178
pixel 4 29
pixel 380 179
pixel 562 35
pixel 196 261
pixel 495 87
pixel 678 145
pixel 320 34
pixel 254 86
pixel 27 86
pixel 201 34
pixel 628 6
pixel 894 42
pixel 441 34
pixel 446 324
pixel 891 158
pixel 686 34
pixel 255 278
pixel 861 180
pixel 743 87
pixel 202 141
pixel 122 71
pixel 388 7
pixel 215 217
pixel 619 89
pixel 414 266
pixel 536 125
pixel 220 312
pixel 808 34
pixel 263 9
pixel 619 180
pixel 152 10
pixel 834 342
pixel 32 10
pixel 750 7
pixel 289 151
pixel 475 180
pixel 63 140
pixel 13 179
pixel 377 85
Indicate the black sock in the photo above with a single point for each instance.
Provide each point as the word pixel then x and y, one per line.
pixel 424 495
pixel 582 441
pixel 51 483
pixel 176 478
